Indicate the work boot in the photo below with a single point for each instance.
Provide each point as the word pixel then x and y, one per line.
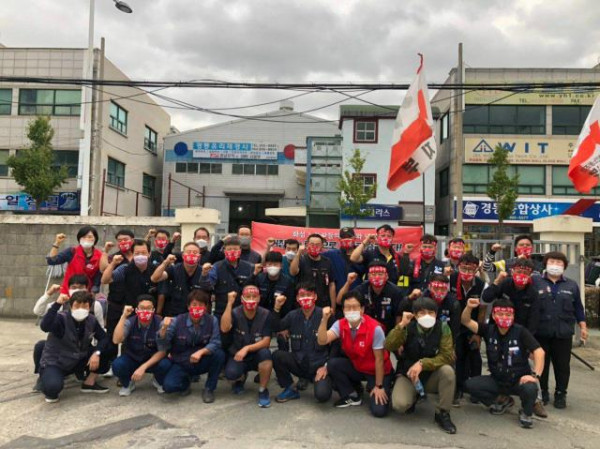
pixel 560 399
pixel 443 420
pixel 539 410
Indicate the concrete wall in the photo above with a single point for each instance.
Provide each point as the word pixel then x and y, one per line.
pixel 26 240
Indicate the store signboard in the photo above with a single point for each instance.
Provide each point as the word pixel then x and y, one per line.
pixel 235 150
pixel 538 150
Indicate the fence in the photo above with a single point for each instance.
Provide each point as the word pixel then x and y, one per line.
pixel 117 201
pixel 181 195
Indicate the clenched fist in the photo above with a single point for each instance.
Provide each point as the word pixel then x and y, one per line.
pixel 473 303
pixel 108 246
pixel 326 313
pixel 176 237
pixel 166 322
pixel 171 259
pixel 406 318
pixel 500 277
pixel 127 310
pixel 54 288
pixel 59 239
pixel 270 242
pixel 352 277
pixel 206 269
pixel 231 297
pixel 496 247
pixel 280 301
pixel 116 260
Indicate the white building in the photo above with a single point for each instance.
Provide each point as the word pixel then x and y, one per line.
pixel 369 129
pixel 241 167
pixel 127 129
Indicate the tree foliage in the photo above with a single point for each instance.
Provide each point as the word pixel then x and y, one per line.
pixel 354 196
pixel 503 188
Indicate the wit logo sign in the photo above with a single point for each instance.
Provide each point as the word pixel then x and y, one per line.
pixel 483 147
pixel 470 209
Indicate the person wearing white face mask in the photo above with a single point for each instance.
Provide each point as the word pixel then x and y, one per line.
pixel 68 349
pixel 362 341
pixel 271 283
pixel 426 361
pixel 560 309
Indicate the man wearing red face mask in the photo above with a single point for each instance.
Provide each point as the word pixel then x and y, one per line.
pixel 140 355
pixel 307 359
pixel 340 259
pixel 508 346
pixel 378 247
pixel 163 245
pixel 311 266
pixel 456 249
pixel 448 312
pixel 251 326
pixel 193 342
pixel 523 250
pixel 383 299
pixel 426 264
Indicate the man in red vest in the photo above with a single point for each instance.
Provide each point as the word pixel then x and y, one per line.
pixel 362 340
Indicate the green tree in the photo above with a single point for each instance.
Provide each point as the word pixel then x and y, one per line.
pixel 353 194
pixel 503 188
pixel 34 169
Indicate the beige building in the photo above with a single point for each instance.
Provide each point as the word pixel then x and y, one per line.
pixel 126 140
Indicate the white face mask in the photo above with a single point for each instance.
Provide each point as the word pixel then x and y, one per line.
pixel 86 244
pixel 80 314
pixel 202 243
pixel 426 321
pixel 352 317
pixel 555 270
pixel 273 271
pixel 140 260
pixel 290 255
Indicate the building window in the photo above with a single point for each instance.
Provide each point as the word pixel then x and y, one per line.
pixel 3 167
pixel 49 102
pixel 445 127
pixel 69 159
pixel 365 131
pixel 237 169
pixel 192 167
pixel 273 170
pixel 444 182
pixel 148 185
pixel 5 101
pixel 115 173
pixel 562 184
pixel 180 167
pixel 504 119
pixel 150 140
pixel 369 180
pixel 249 169
pixel 254 169
pixel 568 120
pixel 532 178
pixel 215 169
pixel 118 118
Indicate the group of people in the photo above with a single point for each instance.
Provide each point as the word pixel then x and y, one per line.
pixel 397 317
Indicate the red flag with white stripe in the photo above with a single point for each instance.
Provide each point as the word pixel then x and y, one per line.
pixel 584 167
pixel 413 144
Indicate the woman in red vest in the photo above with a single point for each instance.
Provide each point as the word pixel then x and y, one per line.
pixel 82 259
pixel 362 340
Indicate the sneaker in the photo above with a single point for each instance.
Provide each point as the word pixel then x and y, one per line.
pixel 108 374
pixel 302 384
pixel 457 397
pixel 348 401
pixel 545 397
pixel 159 388
pixel 525 421
pixel 560 400
pixel 50 400
pixel 208 396
pixel 287 395
pixel 539 410
pixel 264 400
pixel 502 404
pixel 37 388
pixel 443 420
pixel 237 387
pixel 98 389
pixel 126 391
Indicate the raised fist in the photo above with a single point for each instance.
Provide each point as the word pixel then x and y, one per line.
pixel 496 247
pixel 176 237
pixel 416 293
pixel 371 238
pixel 166 322
pixel 54 288
pixel 301 249
pixel 206 268
pixel 127 310
pixel 270 242
pixel 352 277
pixel 280 301
pixel 171 259
pixel 326 313
pixel 62 298
pixel 117 259
pixel 108 246
pixel 59 239
pixel 500 277
pixel 473 303
pixel 151 232
pixel 406 318
pixel 231 297
pixel 258 268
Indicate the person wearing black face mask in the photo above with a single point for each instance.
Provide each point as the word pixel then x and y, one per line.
pixel 68 348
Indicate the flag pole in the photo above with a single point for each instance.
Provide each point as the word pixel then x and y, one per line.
pixel 423 184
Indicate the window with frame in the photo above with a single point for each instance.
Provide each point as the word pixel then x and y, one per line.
pixel 237 169
pixel 192 167
pixel 215 169
pixel 148 185
pixel 504 119
pixel 445 127
pixel 115 173
pixel 568 120
pixel 61 102
pixel 365 131
pixel 532 178
pixel 69 159
pixel 444 177
pixel 562 185
pixel 5 101
pixel 3 158
pixel 180 167
pixel 150 140
pixel 369 180
pixel 118 118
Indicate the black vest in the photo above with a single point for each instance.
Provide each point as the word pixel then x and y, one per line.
pixel 507 358
pixel 117 291
pixel 67 352
pixel 229 279
pixel 181 285
pixel 242 335
pixel 420 345
pixel 135 346
pixel 303 337
pixel 185 342
pixel 557 314
pixel 137 283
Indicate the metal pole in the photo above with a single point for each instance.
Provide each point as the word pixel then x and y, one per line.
pixel 423 185
pixel 459 150
pixel 169 196
pixel 203 196
pixel 189 197
pixel 103 187
pixel 137 200
pixel 117 203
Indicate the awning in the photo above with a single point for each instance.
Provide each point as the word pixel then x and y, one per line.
pixel 298 211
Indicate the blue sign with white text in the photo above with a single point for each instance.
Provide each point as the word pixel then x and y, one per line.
pixel 380 212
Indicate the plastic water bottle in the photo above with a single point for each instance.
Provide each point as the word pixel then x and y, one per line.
pixel 420 391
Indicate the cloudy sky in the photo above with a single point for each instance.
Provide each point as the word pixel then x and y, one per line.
pixel 309 41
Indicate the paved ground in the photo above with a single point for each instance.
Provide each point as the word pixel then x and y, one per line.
pixel 146 420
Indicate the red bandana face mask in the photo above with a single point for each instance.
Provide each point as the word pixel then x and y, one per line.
pixel 144 316
pixel 347 244
pixel 504 322
pixel 161 244
pixel 521 280
pixel 191 259
pixel 125 246
pixel 427 253
pixel 197 312
pixel 466 277
pixel 456 253
pixel 438 291
pixel 313 251
pixel 384 242
pixel 375 279
pixel 249 304
pixel 524 251
pixel 232 255
pixel 306 302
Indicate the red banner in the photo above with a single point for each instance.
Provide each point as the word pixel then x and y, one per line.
pixel 263 231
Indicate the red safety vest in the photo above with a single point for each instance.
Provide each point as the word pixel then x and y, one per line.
pixel 79 265
pixel 359 350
